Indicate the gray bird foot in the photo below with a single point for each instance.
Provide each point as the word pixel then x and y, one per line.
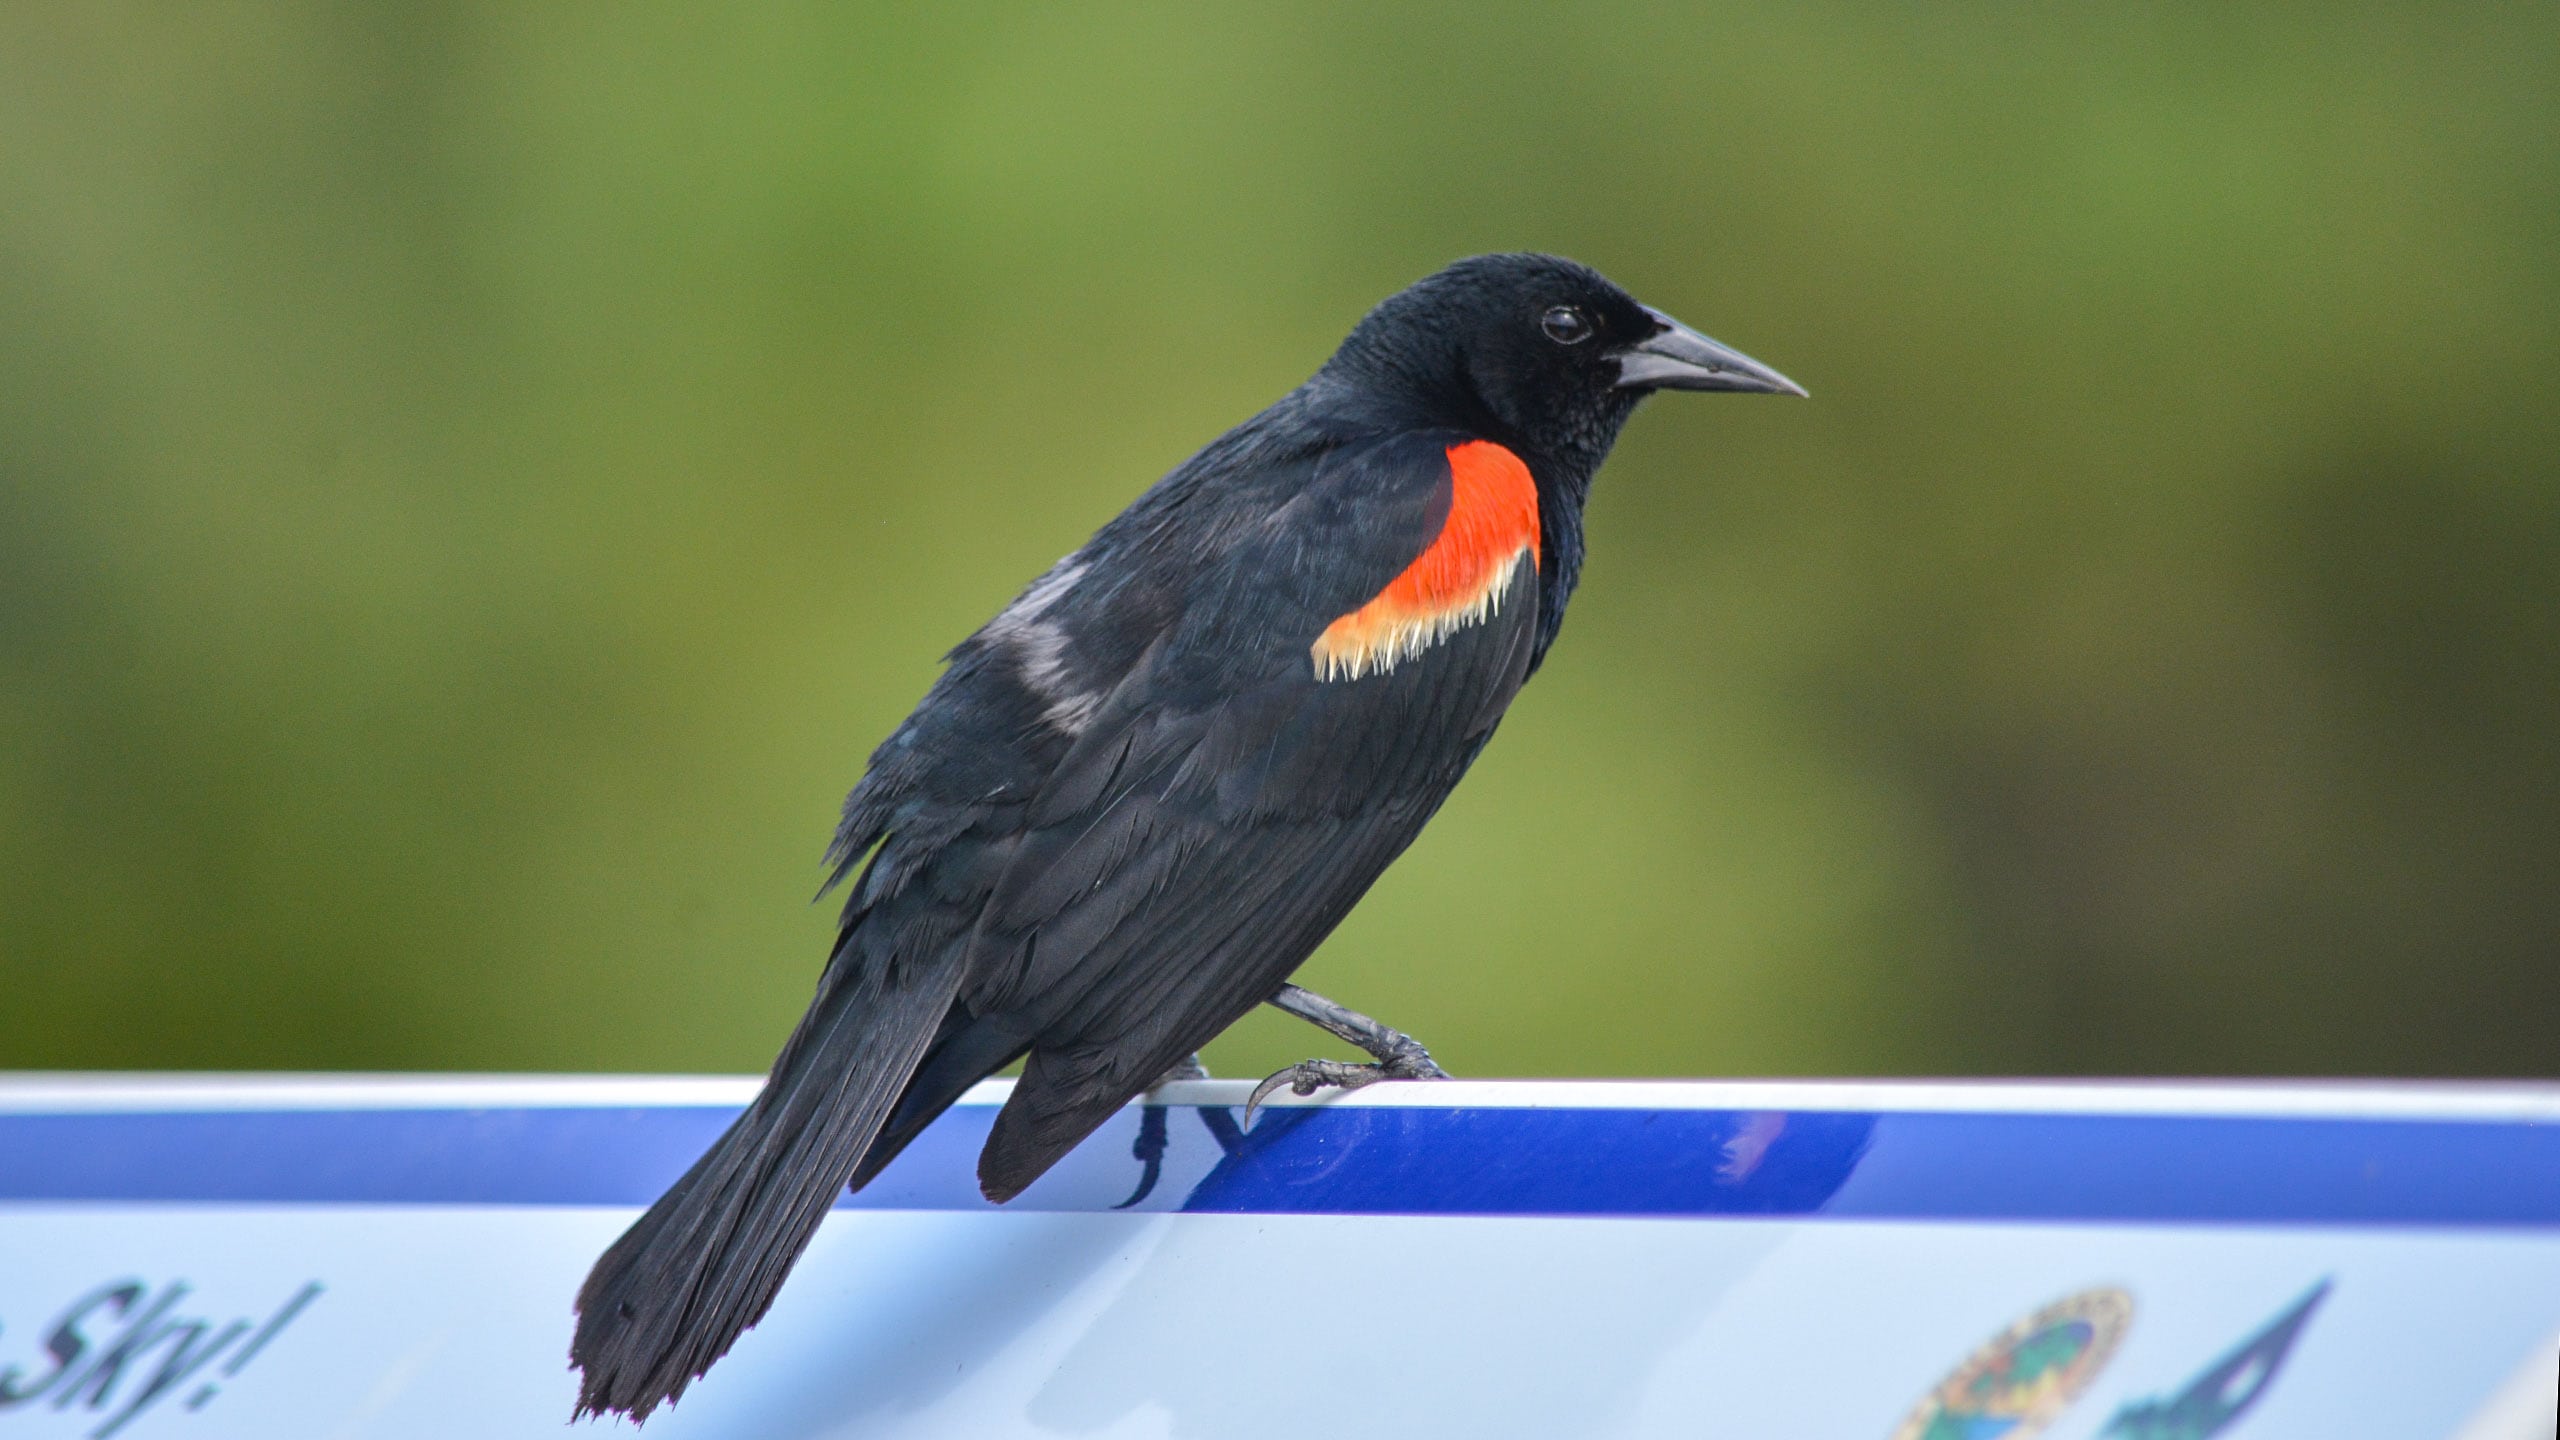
pixel 1189 1067
pixel 1399 1056
pixel 1309 1076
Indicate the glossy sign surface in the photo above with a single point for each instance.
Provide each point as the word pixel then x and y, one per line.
pixel 395 1257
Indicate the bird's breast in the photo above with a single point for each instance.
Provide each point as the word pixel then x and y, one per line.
pixel 1458 580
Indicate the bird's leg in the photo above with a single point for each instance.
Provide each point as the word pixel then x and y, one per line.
pixel 1399 1056
pixel 1188 1067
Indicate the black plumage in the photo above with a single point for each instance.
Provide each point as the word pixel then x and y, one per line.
pixel 1133 803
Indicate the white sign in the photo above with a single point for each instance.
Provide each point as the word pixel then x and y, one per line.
pixel 396 1258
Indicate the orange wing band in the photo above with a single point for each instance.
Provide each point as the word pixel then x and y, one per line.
pixel 1458 581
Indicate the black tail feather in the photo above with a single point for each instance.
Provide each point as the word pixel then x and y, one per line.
pixel 703 1264
pixel 969 1050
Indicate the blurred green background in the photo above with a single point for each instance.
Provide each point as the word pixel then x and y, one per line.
pixel 475 480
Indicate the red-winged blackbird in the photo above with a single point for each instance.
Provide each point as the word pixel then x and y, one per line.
pixel 1143 793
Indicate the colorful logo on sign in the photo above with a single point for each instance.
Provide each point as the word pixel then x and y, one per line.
pixel 2216 1398
pixel 2012 1388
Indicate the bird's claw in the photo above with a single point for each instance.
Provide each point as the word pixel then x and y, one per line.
pixel 1309 1076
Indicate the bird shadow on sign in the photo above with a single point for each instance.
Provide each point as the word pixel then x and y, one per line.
pixel 1452 1317
pixel 903 1315
pixel 1242 1327
pixel 919 1288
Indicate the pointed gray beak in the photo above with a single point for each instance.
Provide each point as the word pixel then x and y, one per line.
pixel 1682 359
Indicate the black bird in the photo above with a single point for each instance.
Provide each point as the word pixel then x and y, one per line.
pixel 1142 794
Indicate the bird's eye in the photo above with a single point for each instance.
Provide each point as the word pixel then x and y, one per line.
pixel 1566 325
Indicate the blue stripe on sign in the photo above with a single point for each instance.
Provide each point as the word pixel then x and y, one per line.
pixel 1371 1160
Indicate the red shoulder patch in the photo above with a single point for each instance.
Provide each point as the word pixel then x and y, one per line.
pixel 1458 580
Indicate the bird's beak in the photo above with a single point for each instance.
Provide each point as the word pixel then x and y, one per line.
pixel 1680 358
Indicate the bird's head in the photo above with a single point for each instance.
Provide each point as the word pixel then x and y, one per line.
pixel 1537 349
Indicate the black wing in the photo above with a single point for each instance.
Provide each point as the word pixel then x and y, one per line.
pixel 1226 806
